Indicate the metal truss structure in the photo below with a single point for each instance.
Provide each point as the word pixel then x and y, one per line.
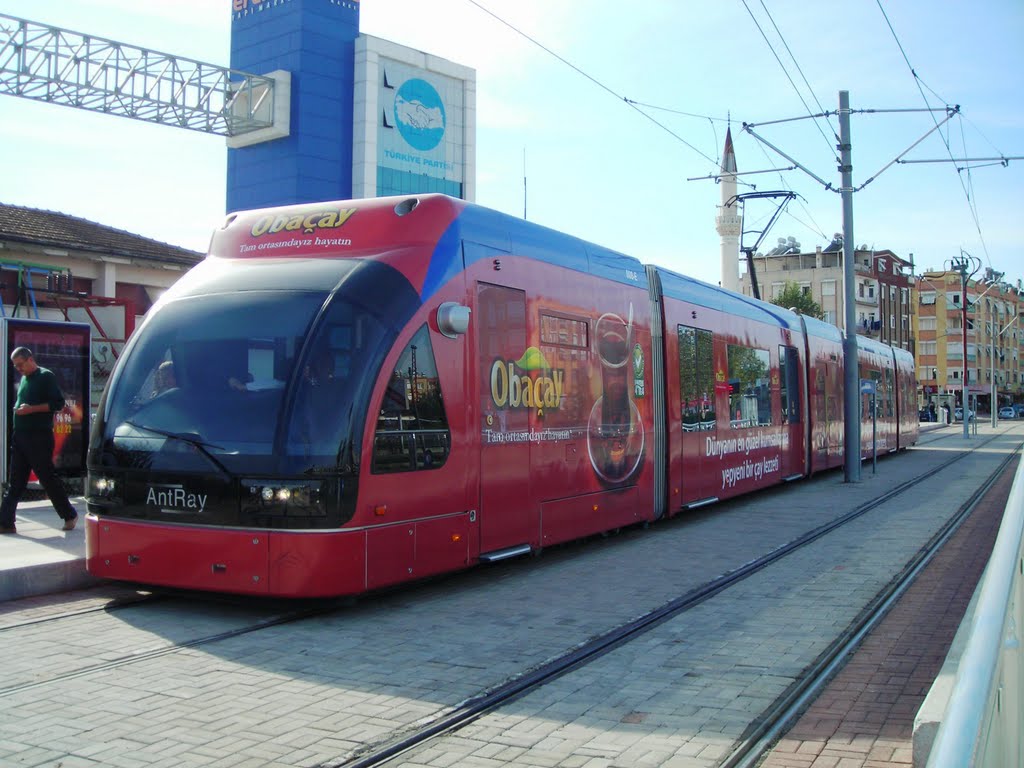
pixel 46 63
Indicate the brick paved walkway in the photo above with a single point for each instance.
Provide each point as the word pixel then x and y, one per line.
pixel 865 717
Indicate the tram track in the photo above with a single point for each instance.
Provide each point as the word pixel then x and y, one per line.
pixel 114 604
pixel 785 707
pixel 788 707
pixel 472 708
pixel 169 648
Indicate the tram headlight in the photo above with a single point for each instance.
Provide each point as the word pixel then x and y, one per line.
pixel 291 498
pixel 102 487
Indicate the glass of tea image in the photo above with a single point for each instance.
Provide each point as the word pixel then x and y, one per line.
pixel 612 335
pixel 615 435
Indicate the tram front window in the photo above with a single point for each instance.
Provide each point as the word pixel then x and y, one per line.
pixel 212 369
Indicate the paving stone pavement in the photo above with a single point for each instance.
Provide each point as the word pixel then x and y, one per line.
pixel 314 692
pixel 686 692
pixel 865 718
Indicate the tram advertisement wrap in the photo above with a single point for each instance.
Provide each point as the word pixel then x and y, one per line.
pixel 63 348
pixel 588 394
pixel 759 456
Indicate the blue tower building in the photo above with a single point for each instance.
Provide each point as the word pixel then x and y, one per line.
pixel 355 116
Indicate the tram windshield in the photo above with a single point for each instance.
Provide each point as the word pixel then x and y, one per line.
pixel 253 381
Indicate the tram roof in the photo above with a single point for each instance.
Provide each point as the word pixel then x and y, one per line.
pixel 397 223
pixel 703 294
pixel 386 227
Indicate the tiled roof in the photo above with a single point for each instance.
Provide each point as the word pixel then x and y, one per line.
pixel 50 228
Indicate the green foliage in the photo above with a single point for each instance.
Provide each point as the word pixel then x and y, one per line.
pixel 793 296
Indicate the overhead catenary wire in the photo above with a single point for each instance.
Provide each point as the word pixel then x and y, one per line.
pixel 971 202
pixel 591 78
pixel 785 71
pixel 816 228
pixel 638 106
pixel 711 120
pixel 938 125
pixel 678 111
pixel 835 131
pixel 964 118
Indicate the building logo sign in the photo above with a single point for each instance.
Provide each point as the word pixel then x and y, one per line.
pixel 419 114
pixel 245 7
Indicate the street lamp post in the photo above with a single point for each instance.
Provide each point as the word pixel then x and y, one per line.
pixel 962 264
pixel 995 337
pixel 964 396
pixel 992 380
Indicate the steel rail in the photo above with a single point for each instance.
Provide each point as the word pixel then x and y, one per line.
pixel 792 702
pixel 114 604
pixel 132 658
pixel 474 708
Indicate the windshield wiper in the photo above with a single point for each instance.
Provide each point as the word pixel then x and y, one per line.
pixel 191 438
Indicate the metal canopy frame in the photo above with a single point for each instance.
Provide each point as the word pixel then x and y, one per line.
pixel 73 69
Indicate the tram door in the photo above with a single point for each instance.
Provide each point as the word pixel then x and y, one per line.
pixel 507 516
pixel 697 412
pixel 833 413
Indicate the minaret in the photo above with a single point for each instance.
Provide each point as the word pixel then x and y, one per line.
pixel 728 221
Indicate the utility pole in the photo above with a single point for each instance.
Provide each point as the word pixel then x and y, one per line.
pixel 851 376
pixel 851 380
pixel 993 390
pixel 996 338
pixel 962 264
pixel 993 394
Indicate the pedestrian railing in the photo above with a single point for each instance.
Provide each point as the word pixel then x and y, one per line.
pixel 983 719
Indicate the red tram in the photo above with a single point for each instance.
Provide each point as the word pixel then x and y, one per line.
pixel 354 394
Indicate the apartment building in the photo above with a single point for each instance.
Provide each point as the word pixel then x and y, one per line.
pixel 882 289
pixel 979 341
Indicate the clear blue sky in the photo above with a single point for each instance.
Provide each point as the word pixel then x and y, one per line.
pixel 596 167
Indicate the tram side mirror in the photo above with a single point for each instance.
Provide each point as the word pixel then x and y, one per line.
pixel 452 319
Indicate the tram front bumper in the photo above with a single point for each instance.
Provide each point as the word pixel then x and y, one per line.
pixel 240 561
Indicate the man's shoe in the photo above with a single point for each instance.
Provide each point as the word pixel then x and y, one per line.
pixel 8 529
pixel 70 522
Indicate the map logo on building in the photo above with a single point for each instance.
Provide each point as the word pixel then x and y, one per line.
pixel 419 113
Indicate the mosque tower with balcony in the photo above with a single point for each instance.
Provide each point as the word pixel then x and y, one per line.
pixel 728 222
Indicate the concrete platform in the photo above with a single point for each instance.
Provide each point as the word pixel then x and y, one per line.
pixel 41 558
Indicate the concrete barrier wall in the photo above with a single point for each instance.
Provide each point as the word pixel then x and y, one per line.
pixel 974 714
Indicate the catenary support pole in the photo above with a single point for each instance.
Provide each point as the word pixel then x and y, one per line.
pixel 964 381
pixel 851 380
pixel 993 394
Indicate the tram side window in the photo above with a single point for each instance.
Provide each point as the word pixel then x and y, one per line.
pixel 412 429
pixel 789 368
pixel 750 402
pixel 890 390
pixel 696 379
pixel 880 395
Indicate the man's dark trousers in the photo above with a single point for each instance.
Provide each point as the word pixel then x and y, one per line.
pixel 33 450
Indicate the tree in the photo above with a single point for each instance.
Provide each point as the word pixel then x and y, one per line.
pixel 793 296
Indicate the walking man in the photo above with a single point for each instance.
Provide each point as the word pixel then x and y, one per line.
pixel 39 397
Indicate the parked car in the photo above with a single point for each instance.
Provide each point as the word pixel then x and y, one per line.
pixel 1007 412
pixel 958 414
pixel 1019 408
